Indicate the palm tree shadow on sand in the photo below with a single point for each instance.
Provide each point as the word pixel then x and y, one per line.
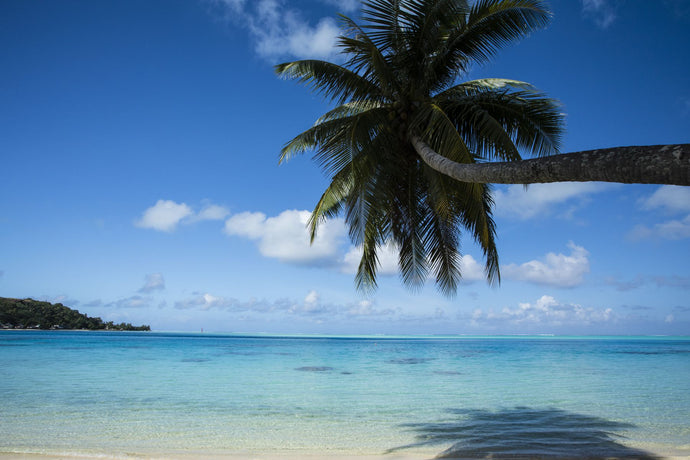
pixel 525 433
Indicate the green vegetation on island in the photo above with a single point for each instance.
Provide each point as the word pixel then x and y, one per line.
pixel 33 314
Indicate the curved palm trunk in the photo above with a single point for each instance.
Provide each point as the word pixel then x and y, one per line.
pixel 653 164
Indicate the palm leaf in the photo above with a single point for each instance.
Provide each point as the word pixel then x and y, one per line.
pixel 334 82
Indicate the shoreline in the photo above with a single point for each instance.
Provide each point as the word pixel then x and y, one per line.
pixel 277 455
pixel 657 452
pixel 231 455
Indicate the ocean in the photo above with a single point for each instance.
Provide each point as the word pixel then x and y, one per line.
pixel 120 394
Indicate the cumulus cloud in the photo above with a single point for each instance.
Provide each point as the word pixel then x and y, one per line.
pixel 312 306
pixel 387 255
pixel 672 198
pixel 279 32
pixel 602 12
pixel 471 269
pixel 154 282
pixel 558 270
pixel 345 6
pixel 166 215
pixel 669 230
pixel 135 301
pixel 312 297
pixel 518 202
pixel 212 212
pixel 206 302
pixel 285 237
pixel 669 199
pixel 546 311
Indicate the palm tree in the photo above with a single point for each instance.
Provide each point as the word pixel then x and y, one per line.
pixel 411 152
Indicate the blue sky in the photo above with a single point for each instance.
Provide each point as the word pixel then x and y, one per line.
pixel 139 143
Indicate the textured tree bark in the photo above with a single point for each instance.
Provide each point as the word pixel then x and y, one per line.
pixel 649 164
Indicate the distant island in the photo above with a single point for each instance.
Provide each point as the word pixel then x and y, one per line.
pixel 33 314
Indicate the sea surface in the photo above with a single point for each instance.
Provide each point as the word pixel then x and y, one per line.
pixel 121 394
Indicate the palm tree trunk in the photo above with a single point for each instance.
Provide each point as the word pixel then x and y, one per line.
pixel 653 164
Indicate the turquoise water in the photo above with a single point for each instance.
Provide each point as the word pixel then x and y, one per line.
pixel 159 393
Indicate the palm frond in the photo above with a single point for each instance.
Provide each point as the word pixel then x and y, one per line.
pixel 368 59
pixel 443 241
pixel 489 26
pixel 440 132
pixel 476 216
pixel 348 109
pixel 334 82
pixel 331 202
pixel 333 138
pixel 409 231
pixel 493 24
pixel 496 117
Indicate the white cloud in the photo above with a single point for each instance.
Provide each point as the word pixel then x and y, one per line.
pixel 234 5
pixel 387 255
pixel 212 212
pixel 518 202
pixel 206 302
pixel 285 237
pixel 164 216
pixel 471 269
pixel 280 32
pixel 554 270
pixel 670 230
pixel 312 297
pixel 311 307
pixel 136 301
pixel 545 311
pixel 672 198
pixel 345 6
pixel 602 12
pixel 154 282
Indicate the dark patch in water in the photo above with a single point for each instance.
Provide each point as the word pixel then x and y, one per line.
pixel 346 373
pixel 314 369
pixel 662 352
pixel 409 361
pixel 194 360
pixel 244 353
pixel 447 373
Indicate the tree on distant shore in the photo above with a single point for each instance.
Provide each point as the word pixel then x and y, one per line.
pixel 34 314
pixel 411 152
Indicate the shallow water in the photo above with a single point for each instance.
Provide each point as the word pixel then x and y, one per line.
pixel 106 392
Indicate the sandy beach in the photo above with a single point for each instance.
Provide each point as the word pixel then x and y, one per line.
pixel 244 456
pixel 217 456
